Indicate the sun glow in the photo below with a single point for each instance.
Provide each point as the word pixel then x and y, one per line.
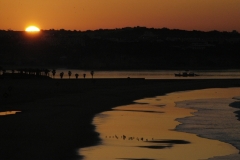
pixel 32 29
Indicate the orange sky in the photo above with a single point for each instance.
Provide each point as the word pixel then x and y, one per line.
pixel 206 15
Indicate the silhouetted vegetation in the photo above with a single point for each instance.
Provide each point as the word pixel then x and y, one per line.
pixel 69 74
pixel 121 49
pixel 92 73
pixel 61 75
pixel 53 73
pixel 76 75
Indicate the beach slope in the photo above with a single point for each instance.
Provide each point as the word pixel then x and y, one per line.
pixel 55 115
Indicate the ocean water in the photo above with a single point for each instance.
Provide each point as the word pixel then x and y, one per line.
pixel 215 119
pixel 187 125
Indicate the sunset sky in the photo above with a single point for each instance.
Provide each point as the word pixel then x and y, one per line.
pixel 205 15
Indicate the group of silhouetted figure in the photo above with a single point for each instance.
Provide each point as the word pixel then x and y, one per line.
pixel 124 137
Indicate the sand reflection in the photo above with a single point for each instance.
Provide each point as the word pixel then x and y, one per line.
pixel 145 130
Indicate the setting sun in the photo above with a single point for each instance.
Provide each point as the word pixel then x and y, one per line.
pixel 32 29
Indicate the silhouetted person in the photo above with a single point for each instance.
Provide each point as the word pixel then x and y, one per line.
pixel 84 75
pixel 69 74
pixel 61 75
pixel 76 75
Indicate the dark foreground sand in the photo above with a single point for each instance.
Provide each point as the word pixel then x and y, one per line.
pixel 56 115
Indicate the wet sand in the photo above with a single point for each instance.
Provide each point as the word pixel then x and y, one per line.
pixel 56 115
pixel 149 127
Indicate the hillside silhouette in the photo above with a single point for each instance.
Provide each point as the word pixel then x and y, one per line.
pixel 128 48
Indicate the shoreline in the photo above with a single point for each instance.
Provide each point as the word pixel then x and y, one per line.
pixel 213 113
pixel 146 118
pixel 56 115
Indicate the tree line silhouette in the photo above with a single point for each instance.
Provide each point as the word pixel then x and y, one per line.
pixel 122 49
pixel 24 73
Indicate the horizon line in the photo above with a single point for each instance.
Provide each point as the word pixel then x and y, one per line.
pixel 75 30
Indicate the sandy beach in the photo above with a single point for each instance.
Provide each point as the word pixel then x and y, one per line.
pixel 55 115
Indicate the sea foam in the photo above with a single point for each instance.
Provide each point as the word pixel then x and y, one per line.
pixel 215 119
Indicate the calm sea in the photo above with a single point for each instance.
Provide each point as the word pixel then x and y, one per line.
pixel 187 125
pixel 150 74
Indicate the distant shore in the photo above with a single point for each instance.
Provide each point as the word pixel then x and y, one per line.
pixel 56 114
pixel 129 48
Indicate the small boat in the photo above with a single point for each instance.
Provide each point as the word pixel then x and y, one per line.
pixel 191 74
pixel 178 74
pixel 185 74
